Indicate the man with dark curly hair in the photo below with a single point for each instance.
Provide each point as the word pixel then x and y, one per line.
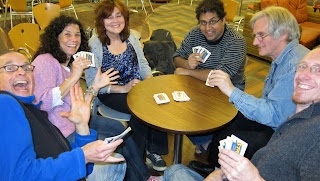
pixel 227 47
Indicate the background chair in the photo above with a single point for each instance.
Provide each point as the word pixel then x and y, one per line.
pixel 66 5
pixel 25 37
pixel 19 7
pixel 4 41
pixel 231 8
pixel 45 12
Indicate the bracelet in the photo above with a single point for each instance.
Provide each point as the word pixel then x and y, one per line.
pixel 91 91
pixel 108 89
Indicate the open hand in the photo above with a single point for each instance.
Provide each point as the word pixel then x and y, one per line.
pixel 104 79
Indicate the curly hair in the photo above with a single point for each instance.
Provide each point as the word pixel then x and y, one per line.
pixel 103 10
pixel 49 42
pixel 210 6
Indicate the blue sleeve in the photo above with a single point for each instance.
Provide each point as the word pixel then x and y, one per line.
pixel 271 110
pixel 18 159
pixel 80 141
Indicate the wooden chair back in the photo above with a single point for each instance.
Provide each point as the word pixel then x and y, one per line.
pixel 26 36
pixel 231 8
pixel 18 5
pixel 4 41
pixel 44 13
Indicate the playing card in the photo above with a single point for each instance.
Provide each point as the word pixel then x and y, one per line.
pixel 196 49
pixel 115 138
pixel 75 55
pixel 161 98
pixel 204 54
pixel 89 56
pixel 207 84
pixel 236 144
pixel 180 96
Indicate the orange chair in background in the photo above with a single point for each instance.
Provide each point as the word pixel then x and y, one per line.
pixel 44 13
pixel 25 37
pixel 19 7
pixel 66 5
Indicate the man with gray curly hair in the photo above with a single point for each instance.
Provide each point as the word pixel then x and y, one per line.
pixel 276 34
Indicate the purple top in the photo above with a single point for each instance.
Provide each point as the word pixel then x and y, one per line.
pixel 48 75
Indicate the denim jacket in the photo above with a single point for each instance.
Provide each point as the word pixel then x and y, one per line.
pixel 276 104
pixel 96 48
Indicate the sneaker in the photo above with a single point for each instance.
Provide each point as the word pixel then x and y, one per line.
pixel 155 178
pixel 157 162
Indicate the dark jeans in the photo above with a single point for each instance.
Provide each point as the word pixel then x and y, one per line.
pixel 145 137
pixel 136 168
pixel 255 134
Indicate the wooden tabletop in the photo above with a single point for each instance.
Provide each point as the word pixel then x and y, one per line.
pixel 208 109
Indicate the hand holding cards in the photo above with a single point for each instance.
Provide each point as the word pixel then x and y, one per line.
pixel 207 82
pixel 115 138
pixel 205 54
pixel 233 143
pixel 86 55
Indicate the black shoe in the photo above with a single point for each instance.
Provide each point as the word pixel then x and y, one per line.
pixel 202 168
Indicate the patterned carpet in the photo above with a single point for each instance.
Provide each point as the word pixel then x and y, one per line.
pixel 177 18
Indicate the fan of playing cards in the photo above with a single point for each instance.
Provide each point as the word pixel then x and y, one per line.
pixel 180 96
pixel 86 55
pixel 205 54
pixel 233 143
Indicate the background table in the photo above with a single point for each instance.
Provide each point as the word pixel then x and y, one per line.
pixel 208 109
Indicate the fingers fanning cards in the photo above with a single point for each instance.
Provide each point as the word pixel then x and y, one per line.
pixel 86 55
pixel 115 138
pixel 233 143
pixel 205 54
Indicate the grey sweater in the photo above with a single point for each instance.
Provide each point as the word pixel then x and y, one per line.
pixel 293 152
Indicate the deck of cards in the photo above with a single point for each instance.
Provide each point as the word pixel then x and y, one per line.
pixel 180 96
pixel 207 82
pixel 86 55
pixel 233 143
pixel 205 54
pixel 161 98
pixel 115 138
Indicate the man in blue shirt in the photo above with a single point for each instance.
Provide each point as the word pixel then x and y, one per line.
pixel 27 135
pixel 276 34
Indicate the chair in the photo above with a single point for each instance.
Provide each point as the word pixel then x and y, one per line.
pixel 19 7
pixel 67 5
pixel 4 41
pixel 231 8
pixel 45 12
pixel 142 4
pixel 25 37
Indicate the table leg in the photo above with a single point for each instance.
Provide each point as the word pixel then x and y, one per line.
pixel 177 152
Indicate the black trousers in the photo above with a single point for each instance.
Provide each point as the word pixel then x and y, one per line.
pixel 145 137
pixel 255 134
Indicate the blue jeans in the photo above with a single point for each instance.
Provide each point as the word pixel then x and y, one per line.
pixel 180 172
pixel 108 171
pixel 136 170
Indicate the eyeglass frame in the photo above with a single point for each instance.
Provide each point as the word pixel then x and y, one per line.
pixel 211 22
pixel 18 66
pixel 313 68
pixel 260 37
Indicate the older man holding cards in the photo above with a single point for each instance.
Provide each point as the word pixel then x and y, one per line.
pixel 293 152
pixel 211 45
pixel 276 33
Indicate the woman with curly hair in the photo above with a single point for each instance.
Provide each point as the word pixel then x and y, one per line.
pixel 56 71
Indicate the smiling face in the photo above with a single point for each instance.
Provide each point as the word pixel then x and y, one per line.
pixel 70 39
pixel 211 32
pixel 19 82
pixel 115 23
pixel 307 83
pixel 268 46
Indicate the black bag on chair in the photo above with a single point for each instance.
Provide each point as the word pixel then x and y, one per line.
pixel 159 51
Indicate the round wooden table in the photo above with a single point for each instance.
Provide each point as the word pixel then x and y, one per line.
pixel 208 109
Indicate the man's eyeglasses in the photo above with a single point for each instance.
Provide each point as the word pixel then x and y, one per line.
pixel 313 69
pixel 259 37
pixel 211 22
pixel 13 68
